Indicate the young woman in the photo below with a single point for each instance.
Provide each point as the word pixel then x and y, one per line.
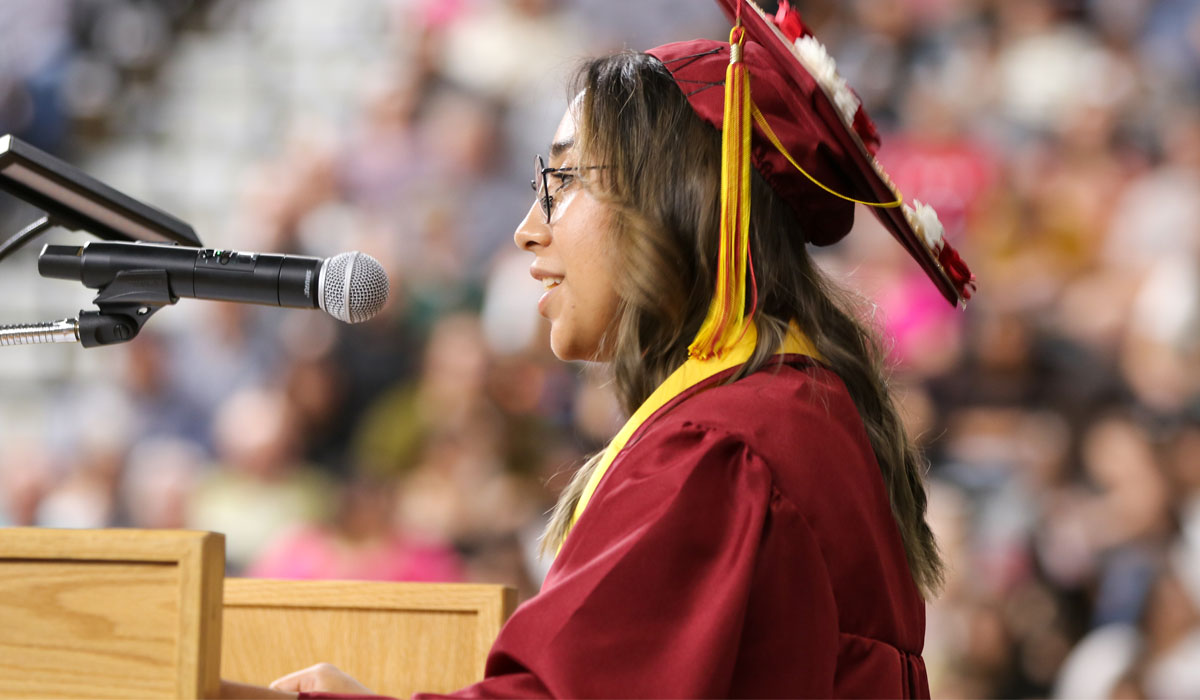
pixel 758 528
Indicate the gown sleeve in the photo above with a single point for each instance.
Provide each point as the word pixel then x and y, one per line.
pixel 647 597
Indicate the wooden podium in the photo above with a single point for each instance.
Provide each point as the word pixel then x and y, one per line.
pixel 143 613
pixel 110 613
pixel 394 638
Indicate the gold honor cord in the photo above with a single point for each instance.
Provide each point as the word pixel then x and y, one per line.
pixel 690 373
pixel 770 134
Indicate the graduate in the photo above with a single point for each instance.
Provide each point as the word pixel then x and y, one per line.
pixel 757 528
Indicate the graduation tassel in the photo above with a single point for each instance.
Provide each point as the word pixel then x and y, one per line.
pixel 726 321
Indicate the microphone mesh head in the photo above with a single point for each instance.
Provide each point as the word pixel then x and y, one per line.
pixel 353 287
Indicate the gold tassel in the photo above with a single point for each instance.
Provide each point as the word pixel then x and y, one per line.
pixel 726 320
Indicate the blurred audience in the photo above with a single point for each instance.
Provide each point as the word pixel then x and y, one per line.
pixel 1058 139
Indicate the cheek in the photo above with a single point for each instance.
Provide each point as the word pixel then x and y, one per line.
pixel 601 284
pixel 592 298
pixel 596 249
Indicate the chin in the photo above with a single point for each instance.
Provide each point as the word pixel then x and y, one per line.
pixel 566 353
pixel 569 348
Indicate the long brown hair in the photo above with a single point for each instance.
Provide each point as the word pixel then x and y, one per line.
pixel 662 179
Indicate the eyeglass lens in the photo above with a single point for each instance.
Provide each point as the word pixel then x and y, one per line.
pixel 541 186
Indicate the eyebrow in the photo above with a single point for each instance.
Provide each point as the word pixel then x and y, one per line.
pixel 559 147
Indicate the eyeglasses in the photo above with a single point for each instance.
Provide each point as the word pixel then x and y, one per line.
pixel 541 182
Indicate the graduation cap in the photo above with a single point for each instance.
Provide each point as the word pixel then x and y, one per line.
pixel 776 96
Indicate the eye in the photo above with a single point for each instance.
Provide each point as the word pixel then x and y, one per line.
pixel 564 179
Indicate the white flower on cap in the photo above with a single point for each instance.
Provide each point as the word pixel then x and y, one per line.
pixel 823 68
pixel 925 222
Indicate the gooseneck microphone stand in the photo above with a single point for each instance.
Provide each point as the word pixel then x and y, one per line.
pixel 124 306
pixel 64 331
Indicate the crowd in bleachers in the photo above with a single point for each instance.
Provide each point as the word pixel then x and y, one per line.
pixel 1058 139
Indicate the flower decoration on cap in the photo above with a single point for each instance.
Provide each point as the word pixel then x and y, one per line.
pixel 817 60
pixel 785 109
pixel 925 222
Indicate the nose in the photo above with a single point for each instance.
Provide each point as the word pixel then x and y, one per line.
pixel 532 231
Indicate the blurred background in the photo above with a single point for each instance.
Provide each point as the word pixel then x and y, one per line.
pixel 1058 139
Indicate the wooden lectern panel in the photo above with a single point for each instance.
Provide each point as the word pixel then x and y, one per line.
pixel 110 613
pixel 395 638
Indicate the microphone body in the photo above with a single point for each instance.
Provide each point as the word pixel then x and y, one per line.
pixel 351 287
pixel 200 273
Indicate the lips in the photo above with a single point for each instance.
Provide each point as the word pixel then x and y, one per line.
pixel 549 278
pixel 550 281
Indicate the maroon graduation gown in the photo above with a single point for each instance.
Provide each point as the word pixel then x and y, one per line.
pixel 741 545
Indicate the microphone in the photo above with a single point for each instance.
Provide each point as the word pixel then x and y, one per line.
pixel 351 287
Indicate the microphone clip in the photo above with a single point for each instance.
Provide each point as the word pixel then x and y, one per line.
pixel 125 304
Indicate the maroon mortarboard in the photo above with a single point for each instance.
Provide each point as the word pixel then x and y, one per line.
pixel 793 117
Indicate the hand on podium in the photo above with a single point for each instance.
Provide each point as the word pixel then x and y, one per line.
pixel 320 678
pixel 232 690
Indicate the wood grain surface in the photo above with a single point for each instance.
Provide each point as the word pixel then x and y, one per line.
pixel 98 629
pixel 396 638
pixel 109 613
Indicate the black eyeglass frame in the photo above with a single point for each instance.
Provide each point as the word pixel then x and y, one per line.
pixel 540 171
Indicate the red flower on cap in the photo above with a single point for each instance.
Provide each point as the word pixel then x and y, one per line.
pixel 791 26
pixel 789 22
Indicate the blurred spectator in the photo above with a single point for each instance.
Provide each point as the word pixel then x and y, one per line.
pixel 159 479
pixel 97 429
pixel 26 474
pixel 258 487
pixel 36 40
pixel 361 543
pixel 1059 141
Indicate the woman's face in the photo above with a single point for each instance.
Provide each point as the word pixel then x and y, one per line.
pixel 573 256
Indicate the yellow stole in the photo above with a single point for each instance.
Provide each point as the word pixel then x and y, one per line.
pixel 689 374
